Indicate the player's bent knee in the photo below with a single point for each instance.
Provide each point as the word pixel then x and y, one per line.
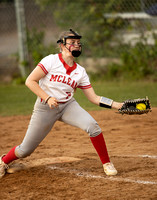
pixel 94 129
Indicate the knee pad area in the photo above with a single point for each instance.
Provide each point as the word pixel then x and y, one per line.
pixel 93 130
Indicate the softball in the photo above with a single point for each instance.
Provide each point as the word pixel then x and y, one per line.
pixel 141 106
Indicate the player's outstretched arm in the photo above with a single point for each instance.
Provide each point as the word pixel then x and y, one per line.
pixel 98 100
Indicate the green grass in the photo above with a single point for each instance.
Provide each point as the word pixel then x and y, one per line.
pixel 16 100
pixel 19 100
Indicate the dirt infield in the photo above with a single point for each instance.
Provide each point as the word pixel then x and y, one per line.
pixel 65 166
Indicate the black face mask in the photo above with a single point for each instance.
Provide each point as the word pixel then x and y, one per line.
pixel 76 53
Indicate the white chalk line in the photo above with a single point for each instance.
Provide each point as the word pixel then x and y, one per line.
pixel 111 178
pixel 137 156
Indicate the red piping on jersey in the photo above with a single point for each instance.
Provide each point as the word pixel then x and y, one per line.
pixel 43 68
pixel 67 67
pixel 85 87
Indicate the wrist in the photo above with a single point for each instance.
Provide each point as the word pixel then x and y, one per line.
pixel 116 105
pixel 105 102
pixel 46 100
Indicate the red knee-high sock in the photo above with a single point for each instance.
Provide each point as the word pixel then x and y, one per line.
pixel 10 156
pixel 100 146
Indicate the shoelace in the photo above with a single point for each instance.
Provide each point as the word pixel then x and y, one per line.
pixel 110 166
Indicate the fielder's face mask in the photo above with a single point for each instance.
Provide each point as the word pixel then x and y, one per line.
pixel 75 53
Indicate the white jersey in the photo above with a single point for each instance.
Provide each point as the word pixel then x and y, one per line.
pixel 61 80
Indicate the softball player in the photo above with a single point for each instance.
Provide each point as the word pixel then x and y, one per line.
pixel 54 81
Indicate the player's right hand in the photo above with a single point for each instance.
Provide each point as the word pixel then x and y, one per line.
pixel 52 102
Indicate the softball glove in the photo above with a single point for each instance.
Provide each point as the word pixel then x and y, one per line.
pixel 136 106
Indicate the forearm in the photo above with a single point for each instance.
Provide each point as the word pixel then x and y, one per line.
pixel 100 100
pixel 36 89
pixel 108 103
pixel 95 100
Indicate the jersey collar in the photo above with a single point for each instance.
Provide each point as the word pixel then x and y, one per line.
pixel 67 67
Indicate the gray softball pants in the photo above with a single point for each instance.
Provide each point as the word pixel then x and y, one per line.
pixel 43 119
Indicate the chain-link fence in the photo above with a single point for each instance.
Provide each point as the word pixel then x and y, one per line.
pixel 114 25
pixel 35 18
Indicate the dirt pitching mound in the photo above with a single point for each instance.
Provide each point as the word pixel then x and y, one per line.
pixel 65 166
